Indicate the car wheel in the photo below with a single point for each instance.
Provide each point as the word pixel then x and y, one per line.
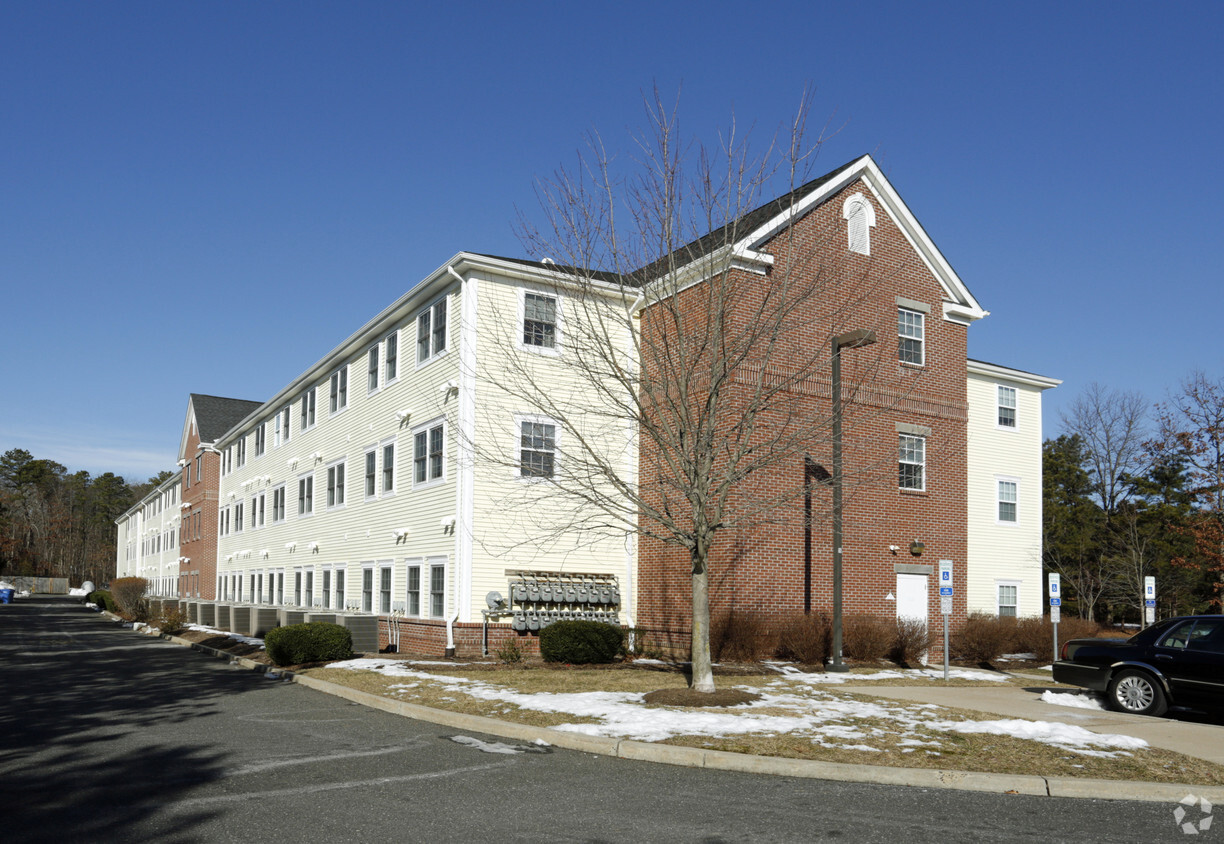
pixel 1136 692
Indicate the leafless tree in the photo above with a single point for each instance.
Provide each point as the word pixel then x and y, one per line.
pixel 684 372
pixel 1112 427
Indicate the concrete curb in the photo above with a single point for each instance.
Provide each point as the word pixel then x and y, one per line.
pixel 695 757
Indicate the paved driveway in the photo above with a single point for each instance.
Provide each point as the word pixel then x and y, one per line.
pixel 112 736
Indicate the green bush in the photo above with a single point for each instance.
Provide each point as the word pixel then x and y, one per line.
pixel 103 599
pixel 316 641
pixel 580 642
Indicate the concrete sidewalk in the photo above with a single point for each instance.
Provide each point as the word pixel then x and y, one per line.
pixel 1200 739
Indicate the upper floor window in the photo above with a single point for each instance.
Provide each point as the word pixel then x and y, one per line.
pixel 339 389
pixel 391 356
pixel 372 369
pixel 335 485
pixel 912 462
pixel 305 495
pixel 308 409
pixel 860 217
pixel 261 441
pixel 427 463
pixel 240 457
pixel 911 336
pixel 281 435
pixel 1007 497
pixel 539 321
pixel 1007 407
pixel 537 449
pixel 388 468
pixel 371 472
pixel 431 331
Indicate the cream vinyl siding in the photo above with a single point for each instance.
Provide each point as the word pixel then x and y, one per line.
pixel 139 553
pixel 999 550
pixel 361 530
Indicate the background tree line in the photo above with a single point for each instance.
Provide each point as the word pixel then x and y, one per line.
pixel 1135 489
pixel 57 524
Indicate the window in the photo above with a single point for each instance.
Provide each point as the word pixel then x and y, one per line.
pixel 339 589
pixel 391 345
pixel 1007 490
pixel 241 455
pixel 384 589
pixel 335 486
pixel 437 583
pixel 199 467
pixel 372 369
pixel 367 589
pixel 309 588
pixel 325 598
pixel 283 426
pixel 860 217
pixel 278 504
pixel 912 462
pixel 911 336
pixel 388 468
pixel 538 446
pixel 427 455
pixel 297 587
pixel 1007 600
pixel 539 321
pixel 371 472
pixel 239 521
pixel 308 409
pixel 223 522
pixel 305 495
pixel 431 331
pixel 257 510
pixel 280 587
pixel 227 460
pixel 261 438
pixel 1007 407
pixel 339 389
pixel 414 590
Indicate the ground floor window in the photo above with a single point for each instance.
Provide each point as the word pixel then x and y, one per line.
pixel 1007 599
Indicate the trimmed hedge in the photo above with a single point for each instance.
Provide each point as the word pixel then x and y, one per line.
pixel 315 641
pixel 580 642
pixel 103 599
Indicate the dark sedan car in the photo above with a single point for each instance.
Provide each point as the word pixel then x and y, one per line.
pixel 1176 662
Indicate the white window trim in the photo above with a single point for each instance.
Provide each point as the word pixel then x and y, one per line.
pixel 367 566
pixel 388 379
pixel 370 449
pixel 284 488
pixel 312 408
pixel 387 566
pixel 328 470
pixel 998 499
pixel 559 346
pixel 339 570
pixel 380 486
pixel 921 340
pixel 425 428
pixel 519 419
pixel 434 354
pixel 427 584
pixel 419 564
pixel 348 386
pixel 998 604
pixel 1015 408
pixel 854 204
pixel 378 371
pixel 923 464
pixel 300 478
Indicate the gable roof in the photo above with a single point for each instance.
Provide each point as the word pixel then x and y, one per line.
pixel 213 416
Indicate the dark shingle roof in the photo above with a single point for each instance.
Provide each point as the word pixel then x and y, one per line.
pixel 215 415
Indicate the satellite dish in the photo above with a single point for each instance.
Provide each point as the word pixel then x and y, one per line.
pixel 495 600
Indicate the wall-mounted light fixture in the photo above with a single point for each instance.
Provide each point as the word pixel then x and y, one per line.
pixel 917 547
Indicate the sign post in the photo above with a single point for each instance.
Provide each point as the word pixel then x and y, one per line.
pixel 945 604
pixel 1055 606
pixel 1149 600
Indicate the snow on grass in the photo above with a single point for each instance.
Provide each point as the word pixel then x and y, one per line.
pixel 1082 700
pixel 793 704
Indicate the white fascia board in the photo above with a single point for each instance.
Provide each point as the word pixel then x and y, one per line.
pixel 994 371
pixel 182 452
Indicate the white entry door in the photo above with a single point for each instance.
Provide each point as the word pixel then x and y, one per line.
pixel 912 596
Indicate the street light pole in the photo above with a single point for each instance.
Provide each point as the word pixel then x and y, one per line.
pixel 849 340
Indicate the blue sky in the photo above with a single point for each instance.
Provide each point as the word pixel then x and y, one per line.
pixel 207 197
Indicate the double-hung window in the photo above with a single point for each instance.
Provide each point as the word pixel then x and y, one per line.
pixel 912 462
pixel 388 468
pixel 339 390
pixel 1007 406
pixel 537 449
pixel 539 321
pixel 911 336
pixel 261 433
pixel 278 504
pixel 414 590
pixel 431 331
pixel 427 454
pixel 367 589
pixel 308 409
pixel 1008 498
pixel 239 519
pixel 371 473
pixel 335 485
pixel 240 457
pixel 1007 599
pixel 384 589
pixel 372 369
pixel 391 356
pixel 305 495
pixel 340 589
pixel 437 594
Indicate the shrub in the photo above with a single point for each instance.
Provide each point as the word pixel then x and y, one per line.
pixel 983 637
pixel 315 641
pixel 866 637
pixel 1035 635
pixel 580 642
pixel 510 653
pixel 102 599
pixel 912 639
pixel 740 637
pixel 806 638
pixel 170 620
pixel 129 594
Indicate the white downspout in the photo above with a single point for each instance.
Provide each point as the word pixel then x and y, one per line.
pixel 465 422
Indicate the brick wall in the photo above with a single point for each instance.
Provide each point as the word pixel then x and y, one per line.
pixel 202 496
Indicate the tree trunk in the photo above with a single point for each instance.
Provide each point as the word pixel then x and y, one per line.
pixel 703 669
